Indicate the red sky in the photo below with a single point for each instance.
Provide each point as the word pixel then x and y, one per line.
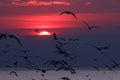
pixel 45 13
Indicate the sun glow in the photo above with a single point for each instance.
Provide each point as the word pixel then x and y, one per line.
pixel 44 33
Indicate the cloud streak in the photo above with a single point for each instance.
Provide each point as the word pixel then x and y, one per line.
pixel 38 3
pixel 88 3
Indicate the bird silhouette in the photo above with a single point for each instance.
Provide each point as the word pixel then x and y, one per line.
pixel 65 78
pixel 16 38
pixel 13 72
pixel 69 12
pixel 115 63
pixel 89 26
pixel 62 51
pixel 55 63
pixel 108 67
pixel 43 71
pixel 67 68
pixel 3 35
pixel 96 68
pixel 6 35
pixel 98 48
pixel 54 36
pixel 15 63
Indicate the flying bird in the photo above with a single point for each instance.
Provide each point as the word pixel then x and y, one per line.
pixel 3 35
pixel 89 26
pixel 54 36
pixel 13 72
pixel 108 66
pixel 62 51
pixel 100 49
pixel 69 12
pixel 16 38
pixel 67 68
pixel 43 71
pixel 115 63
pixel 56 62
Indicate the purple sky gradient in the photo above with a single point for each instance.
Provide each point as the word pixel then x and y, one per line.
pixel 45 13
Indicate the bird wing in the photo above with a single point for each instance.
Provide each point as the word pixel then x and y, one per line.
pixel 68 12
pixel 3 36
pixel 59 48
pixel 73 15
pixel 13 72
pixel 13 36
pixel 64 62
pixel 85 23
pixel 64 12
pixel 59 68
pixel 96 68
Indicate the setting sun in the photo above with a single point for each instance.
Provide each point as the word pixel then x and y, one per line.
pixel 44 33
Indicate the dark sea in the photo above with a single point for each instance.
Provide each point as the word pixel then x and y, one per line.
pixel 79 43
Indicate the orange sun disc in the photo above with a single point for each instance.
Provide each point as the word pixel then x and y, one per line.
pixel 44 33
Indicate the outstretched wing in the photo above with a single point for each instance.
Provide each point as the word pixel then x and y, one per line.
pixel 68 12
pixel 2 36
pixel 13 36
pixel 85 23
pixel 73 15
pixel 13 72
pixel 64 12
pixel 59 49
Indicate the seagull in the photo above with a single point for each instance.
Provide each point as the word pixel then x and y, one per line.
pixel 13 36
pixel 100 49
pixel 115 63
pixel 3 35
pixel 108 67
pixel 61 51
pixel 54 36
pixel 96 68
pixel 13 72
pixel 56 62
pixel 68 68
pixel 69 12
pixel 89 26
